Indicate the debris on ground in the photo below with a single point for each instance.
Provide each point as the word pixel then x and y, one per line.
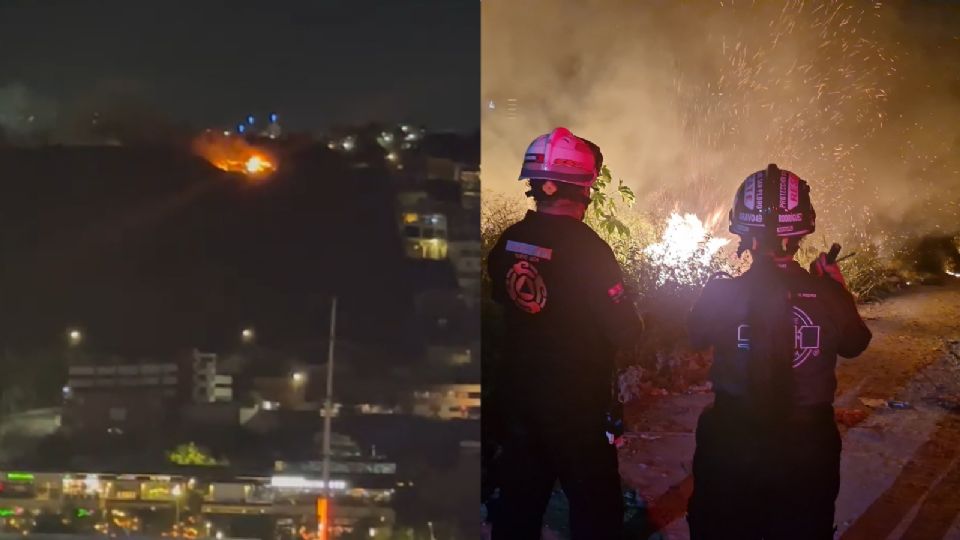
pixel 849 417
pixel 873 403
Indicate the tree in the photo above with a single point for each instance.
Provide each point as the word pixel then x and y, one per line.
pixel 190 454
pixel 608 206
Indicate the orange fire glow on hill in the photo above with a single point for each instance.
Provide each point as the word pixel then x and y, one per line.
pixel 234 154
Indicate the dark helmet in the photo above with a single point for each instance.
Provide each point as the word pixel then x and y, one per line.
pixel 772 203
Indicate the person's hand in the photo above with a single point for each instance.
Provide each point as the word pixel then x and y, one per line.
pixel 820 267
pixel 614 428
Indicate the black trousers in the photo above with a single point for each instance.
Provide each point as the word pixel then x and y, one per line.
pixel 756 480
pixel 534 457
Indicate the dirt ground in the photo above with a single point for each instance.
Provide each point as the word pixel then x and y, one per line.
pixel 900 471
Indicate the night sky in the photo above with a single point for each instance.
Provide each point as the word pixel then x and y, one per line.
pixel 316 63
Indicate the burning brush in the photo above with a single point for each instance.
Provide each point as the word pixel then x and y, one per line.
pixel 685 251
pixel 234 154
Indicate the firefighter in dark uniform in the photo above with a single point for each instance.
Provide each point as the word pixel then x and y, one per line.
pixel 767 462
pixel 566 317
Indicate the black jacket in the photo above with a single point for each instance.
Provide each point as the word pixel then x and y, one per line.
pixel 826 324
pixel 566 314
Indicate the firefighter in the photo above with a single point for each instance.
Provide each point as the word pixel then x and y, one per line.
pixel 767 460
pixel 566 316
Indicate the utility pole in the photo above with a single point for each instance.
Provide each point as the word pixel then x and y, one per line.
pixel 327 414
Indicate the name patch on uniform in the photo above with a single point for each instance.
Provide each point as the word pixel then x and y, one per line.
pixel 529 249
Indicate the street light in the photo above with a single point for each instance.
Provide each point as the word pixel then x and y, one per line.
pixel 247 335
pixel 298 377
pixel 75 336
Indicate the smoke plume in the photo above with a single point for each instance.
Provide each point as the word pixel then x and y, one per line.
pixel 25 116
pixel 688 98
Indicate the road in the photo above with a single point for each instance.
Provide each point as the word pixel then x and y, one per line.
pixel 900 469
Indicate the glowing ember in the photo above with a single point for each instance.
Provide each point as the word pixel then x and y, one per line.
pixel 686 248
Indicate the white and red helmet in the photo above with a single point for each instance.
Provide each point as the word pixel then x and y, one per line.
pixel 562 157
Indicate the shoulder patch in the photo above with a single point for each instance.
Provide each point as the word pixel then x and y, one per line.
pixel 529 249
pixel 616 293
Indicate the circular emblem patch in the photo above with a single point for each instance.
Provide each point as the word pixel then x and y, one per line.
pixel 526 287
pixel 806 339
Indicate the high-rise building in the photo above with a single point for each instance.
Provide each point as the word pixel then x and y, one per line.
pixel 425 235
pixel 208 385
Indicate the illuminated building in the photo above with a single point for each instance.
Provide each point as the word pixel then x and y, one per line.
pixel 285 390
pixel 449 355
pixel 470 189
pixel 425 235
pixel 208 385
pixel 362 492
pixel 448 402
pixel 465 256
pixel 108 394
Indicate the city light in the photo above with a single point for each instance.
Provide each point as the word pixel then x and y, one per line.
pixel 75 336
pixel 92 484
pixel 323 526
pixel 298 377
pixel 299 482
pixel 247 335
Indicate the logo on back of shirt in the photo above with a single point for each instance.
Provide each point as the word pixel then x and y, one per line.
pixel 526 287
pixel 806 337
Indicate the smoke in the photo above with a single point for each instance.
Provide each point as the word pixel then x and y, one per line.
pixel 113 111
pixel 25 116
pixel 688 98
